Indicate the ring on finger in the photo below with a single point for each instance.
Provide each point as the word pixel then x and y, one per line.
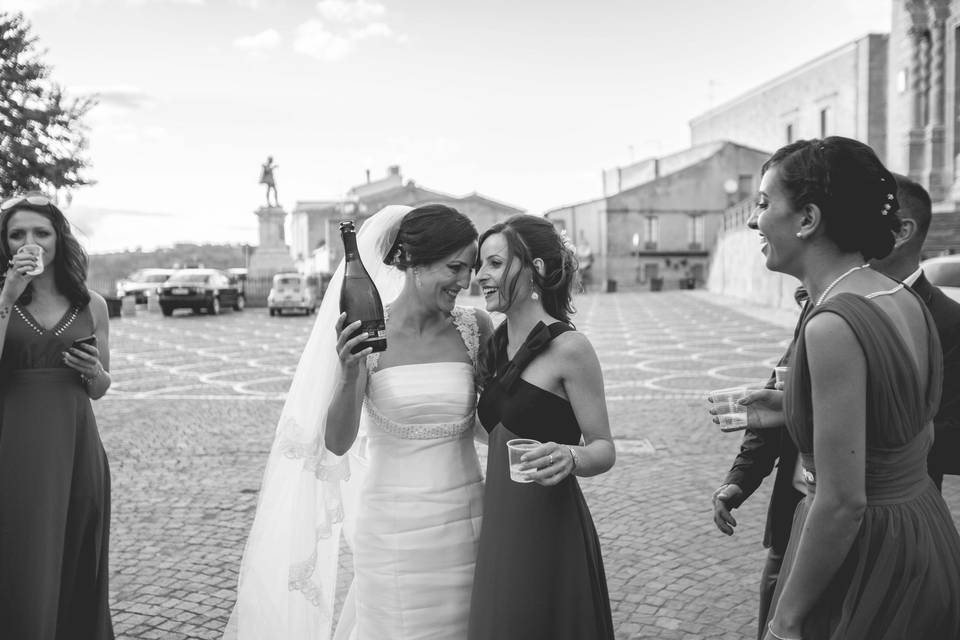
pixel 550 458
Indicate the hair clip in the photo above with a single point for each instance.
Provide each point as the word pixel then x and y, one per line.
pixel 889 196
pixel 886 209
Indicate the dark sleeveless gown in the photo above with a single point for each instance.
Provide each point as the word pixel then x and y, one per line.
pixel 539 573
pixel 901 577
pixel 54 489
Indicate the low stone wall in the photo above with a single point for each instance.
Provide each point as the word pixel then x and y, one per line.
pixel 737 271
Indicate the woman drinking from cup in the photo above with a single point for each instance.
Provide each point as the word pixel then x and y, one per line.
pixel 539 569
pixel 54 478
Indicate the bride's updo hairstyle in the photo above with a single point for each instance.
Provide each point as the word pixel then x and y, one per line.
pixel 856 194
pixel 529 237
pixel 428 234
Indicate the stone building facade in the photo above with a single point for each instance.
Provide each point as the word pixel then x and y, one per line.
pixel 843 92
pixel 660 217
pixel 923 114
pixel 315 235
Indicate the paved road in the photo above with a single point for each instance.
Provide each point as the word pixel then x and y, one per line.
pixel 191 415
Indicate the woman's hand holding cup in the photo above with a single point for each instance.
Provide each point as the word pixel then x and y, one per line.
pixel 547 464
pixel 26 263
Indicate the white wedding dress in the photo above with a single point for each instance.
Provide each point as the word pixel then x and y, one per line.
pixel 406 498
pixel 419 507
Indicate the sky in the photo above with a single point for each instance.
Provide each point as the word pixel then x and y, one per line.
pixel 523 101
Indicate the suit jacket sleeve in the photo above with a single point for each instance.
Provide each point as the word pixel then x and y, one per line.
pixel 759 451
pixel 761 448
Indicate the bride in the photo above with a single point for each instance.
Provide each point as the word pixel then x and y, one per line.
pixel 380 446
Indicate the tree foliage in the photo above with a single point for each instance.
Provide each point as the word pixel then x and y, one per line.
pixel 42 134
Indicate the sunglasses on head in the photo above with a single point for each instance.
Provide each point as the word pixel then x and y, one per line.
pixel 35 200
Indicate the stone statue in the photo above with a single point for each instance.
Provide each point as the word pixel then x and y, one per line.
pixel 266 177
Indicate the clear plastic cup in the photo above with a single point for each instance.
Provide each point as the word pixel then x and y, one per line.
pixel 781 374
pixel 515 449
pixel 731 415
pixel 34 250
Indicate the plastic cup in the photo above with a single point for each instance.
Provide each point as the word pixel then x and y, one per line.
pixel 515 449
pixel 781 374
pixel 731 415
pixel 33 250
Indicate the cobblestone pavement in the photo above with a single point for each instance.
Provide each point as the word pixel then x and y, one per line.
pixel 190 418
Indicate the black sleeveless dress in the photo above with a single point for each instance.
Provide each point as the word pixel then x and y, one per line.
pixel 539 572
pixel 54 488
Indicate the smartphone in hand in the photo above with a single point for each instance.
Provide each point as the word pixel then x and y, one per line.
pixel 91 340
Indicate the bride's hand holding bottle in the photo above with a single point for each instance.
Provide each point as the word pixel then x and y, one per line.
pixel 343 414
pixel 347 339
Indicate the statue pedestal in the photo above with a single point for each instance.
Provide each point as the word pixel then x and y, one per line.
pixel 272 255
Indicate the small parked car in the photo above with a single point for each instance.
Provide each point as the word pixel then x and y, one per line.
pixel 143 283
pixel 293 292
pixel 199 289
pixel 944 272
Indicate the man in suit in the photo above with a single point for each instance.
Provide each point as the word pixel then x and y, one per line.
pixel 903 264
pixel 764 444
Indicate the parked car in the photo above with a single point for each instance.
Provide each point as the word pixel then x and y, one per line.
pixel 238 277
pixel 944 272
pixel 293 292
pixel 142 283
pixel 196 289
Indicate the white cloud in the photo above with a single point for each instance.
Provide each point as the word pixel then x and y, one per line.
pixel 122 97
pixel 350 11
pixel 262 41
pixel 316 40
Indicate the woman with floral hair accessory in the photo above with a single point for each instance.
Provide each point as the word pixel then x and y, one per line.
pixel 873 553
pixel 539 568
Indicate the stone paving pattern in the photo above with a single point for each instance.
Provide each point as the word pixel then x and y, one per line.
pixel 190 419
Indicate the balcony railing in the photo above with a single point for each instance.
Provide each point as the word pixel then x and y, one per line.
pixel 736 216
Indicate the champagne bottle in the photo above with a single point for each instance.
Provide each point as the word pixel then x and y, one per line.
pixel 359 297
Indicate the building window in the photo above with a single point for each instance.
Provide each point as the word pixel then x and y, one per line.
pixel 789 133
pixel 651 233
pixel 695 228
pixel 902 81
pixel 824 122
pixel 650 270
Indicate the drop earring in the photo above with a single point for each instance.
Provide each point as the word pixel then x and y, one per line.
pixel 416 277
pixel 799 234
pixel 534 294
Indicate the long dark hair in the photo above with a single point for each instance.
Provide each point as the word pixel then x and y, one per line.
pixel 529 237
pixel 69 263
pixel 428 234
pixel 856 194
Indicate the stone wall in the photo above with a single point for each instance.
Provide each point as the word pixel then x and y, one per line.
pixel 737 270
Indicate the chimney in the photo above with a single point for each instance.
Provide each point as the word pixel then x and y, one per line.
pixel 393 170
pixel 368 176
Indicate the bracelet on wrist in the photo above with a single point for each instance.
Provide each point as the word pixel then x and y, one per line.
pixel 574 459
pixel 777 635
pixel 89 379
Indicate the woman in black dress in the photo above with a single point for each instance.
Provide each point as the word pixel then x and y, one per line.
pixel 54 479
pixel 539 570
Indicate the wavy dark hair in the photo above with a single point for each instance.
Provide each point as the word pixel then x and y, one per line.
pixel 529 237
pixel 69 263
pixel 856 194
pixel 428 234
